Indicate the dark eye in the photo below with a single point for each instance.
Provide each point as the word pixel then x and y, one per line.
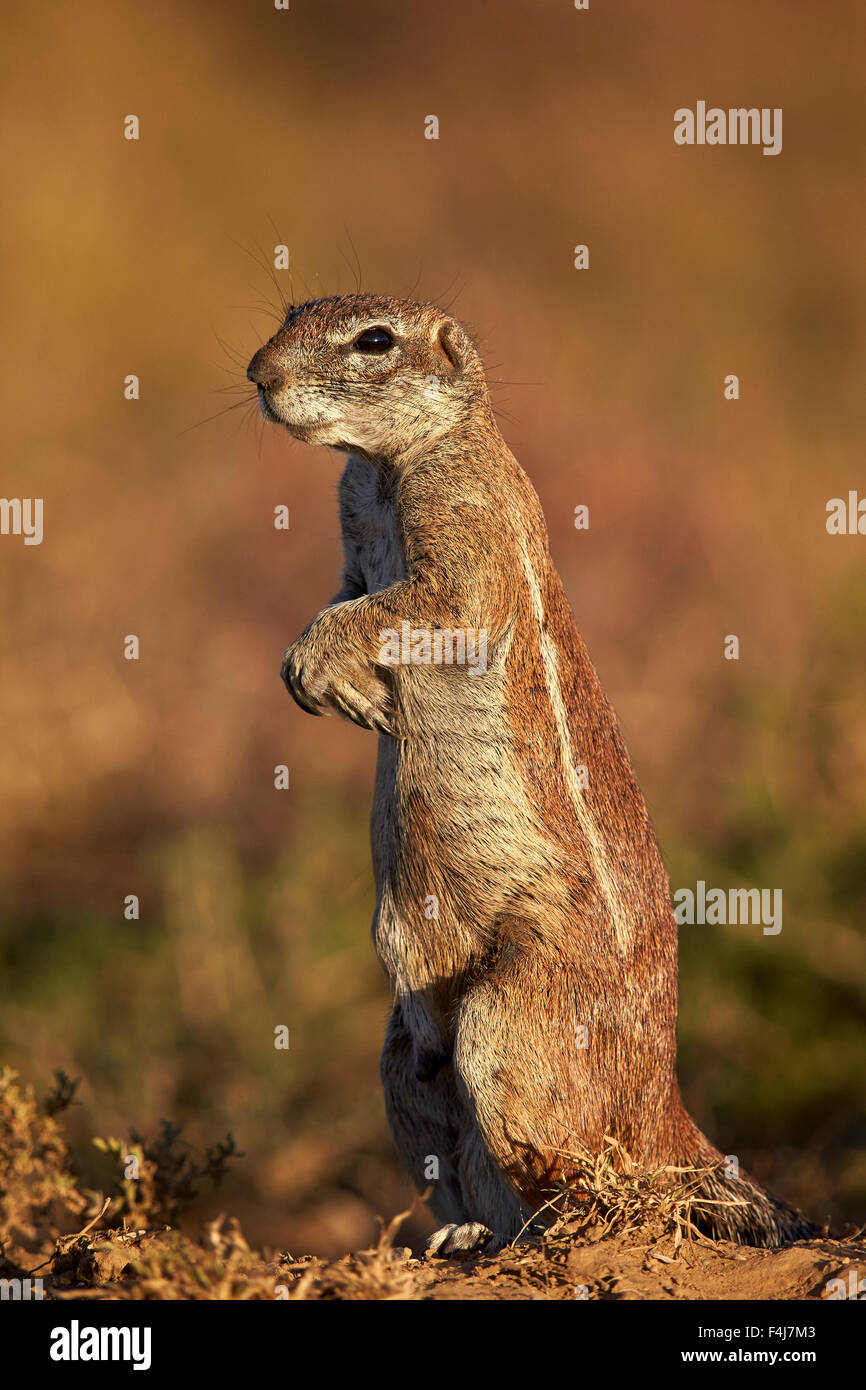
pixel 374 340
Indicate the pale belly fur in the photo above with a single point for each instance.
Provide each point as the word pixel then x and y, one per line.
pixel 453 831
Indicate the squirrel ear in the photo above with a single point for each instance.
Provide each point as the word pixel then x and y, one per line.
pixel 449 345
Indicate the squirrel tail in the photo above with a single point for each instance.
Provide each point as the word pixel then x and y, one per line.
pixel 735 1207
pixel 738 1209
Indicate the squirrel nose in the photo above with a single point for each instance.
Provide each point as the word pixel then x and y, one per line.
pixel 264 371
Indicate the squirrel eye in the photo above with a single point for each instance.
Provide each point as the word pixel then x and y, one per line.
pixel 374 340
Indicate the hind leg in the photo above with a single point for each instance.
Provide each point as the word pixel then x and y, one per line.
pixel 443 1149
pixel 532 1094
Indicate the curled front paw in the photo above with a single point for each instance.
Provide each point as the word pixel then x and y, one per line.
pixel 305 684
pixel 317 682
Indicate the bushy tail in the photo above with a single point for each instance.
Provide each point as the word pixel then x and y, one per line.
pixel 737 1208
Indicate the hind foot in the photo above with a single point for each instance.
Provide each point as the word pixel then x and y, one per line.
pixel 459 1240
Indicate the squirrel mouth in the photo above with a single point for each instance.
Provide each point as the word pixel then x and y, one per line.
pixel 267 409
pixel 296 428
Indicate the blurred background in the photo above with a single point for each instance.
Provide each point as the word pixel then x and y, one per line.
pixel 707 518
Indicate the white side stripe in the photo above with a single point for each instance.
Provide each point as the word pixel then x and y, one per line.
pixel 598 857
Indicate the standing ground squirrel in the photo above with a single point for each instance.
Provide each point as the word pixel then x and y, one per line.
pixel 523 912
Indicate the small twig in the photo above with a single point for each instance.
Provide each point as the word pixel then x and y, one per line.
pixel 98 1217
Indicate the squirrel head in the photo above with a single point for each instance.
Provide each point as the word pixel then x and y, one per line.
pixel 368 374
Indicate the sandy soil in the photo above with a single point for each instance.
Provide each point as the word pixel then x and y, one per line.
pixel 166 1265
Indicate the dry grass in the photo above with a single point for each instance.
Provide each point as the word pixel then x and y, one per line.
pixel 39 1196
pixel 128 1249
pixel 613 1195
pixel 382 1273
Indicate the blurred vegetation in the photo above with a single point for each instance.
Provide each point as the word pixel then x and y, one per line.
pixel 707 517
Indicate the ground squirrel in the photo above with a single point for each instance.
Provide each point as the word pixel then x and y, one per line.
pixel 523 911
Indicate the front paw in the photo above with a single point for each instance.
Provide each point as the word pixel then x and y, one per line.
pixel 316 681
pixel 304 677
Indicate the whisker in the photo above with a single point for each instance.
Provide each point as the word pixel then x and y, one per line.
pixel 359 280
pixel 239 360
pixel 264 264
pixel 410 294
pixel 281 241
pixel 207 420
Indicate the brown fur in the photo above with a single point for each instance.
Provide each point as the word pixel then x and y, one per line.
pixel 553 902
